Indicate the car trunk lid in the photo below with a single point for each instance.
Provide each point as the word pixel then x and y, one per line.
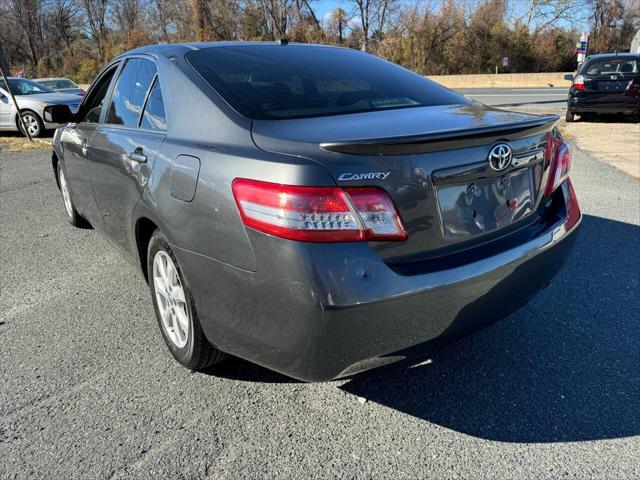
pixel 433 162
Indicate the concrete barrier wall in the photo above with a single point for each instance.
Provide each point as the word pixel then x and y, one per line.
pixel 503 80
pixel 491 80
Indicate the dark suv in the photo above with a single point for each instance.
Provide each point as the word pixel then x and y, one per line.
pixel 607 83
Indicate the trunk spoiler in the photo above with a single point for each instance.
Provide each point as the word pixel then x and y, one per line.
pixel 444 140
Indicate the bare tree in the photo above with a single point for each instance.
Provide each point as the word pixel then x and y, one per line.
pixel 26 16
pixel 128 15
pixel 277 14
pixel 96 17
pixel 202 19
pixel 613 24
pixel 372 14
pixel 538 15
pixel 338 24
pixel 63 18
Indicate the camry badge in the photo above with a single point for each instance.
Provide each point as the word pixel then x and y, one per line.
pixel 500 157
pixel 364 176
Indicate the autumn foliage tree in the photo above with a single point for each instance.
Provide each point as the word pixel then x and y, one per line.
pixel 76 37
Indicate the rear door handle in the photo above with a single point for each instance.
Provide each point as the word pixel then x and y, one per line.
pixel 138 156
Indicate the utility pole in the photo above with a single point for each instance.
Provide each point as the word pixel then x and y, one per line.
pixel 4 69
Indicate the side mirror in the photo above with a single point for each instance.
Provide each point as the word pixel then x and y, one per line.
pixel 569 77
pixel 57 114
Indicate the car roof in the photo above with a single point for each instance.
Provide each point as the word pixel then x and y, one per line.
pixel 50 78
pixel 169 49
pixel 612 55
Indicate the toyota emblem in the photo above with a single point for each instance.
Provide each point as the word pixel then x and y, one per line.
pixel 500 157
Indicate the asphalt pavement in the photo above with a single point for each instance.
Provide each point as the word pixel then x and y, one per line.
pixel 88 389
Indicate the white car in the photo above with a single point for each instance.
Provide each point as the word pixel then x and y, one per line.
pixel 32 98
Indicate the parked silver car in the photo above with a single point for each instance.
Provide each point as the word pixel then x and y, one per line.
pixel 61 85
pixel 32 98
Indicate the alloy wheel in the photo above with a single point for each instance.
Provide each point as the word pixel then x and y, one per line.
pixel 33 126
pixel 65 194
pixel 171 299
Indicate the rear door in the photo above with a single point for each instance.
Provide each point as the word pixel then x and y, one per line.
pixel 125 145
pixel 609 80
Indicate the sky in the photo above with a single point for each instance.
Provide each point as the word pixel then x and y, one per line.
pixel 323 8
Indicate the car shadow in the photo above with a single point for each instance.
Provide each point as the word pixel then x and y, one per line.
pixel 235 368
pixel 564 368
pixel 607 118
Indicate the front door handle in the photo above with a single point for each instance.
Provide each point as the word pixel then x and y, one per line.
pixel 138 155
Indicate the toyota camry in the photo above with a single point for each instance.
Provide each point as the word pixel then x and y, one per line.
pixel 315 210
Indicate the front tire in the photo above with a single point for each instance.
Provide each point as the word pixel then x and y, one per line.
pixel 175 309
pixel 34 123
pixel 73 216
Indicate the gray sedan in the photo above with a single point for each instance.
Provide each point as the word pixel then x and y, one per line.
pixel 32 99
pixel 62 85
pixel 312 209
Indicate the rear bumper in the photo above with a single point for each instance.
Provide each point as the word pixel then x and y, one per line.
pixel 585 104
pixel 320 311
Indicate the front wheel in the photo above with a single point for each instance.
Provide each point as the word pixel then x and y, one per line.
pixel 175 309
pixel 34 124
pixel 73 216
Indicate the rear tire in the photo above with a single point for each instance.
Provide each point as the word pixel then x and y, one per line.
pixel 175 308
pixel 570 116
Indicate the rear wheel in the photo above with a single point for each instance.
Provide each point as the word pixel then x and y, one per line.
pixel 570 116
pixel 34 124
pixel 175 309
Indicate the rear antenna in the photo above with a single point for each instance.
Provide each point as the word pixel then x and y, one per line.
pixel 283 42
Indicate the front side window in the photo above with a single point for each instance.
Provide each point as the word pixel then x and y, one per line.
pixel 154 116
pixel 281 82
pixel 128 97
pixel 92 106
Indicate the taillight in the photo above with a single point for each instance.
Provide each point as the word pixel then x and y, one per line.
pixel 578 82
pixel 560 166
pixel 318 214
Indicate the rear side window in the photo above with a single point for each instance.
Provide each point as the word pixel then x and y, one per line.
pixel 281 82
pixel 154 116
pixel 128 96
pixel 611 66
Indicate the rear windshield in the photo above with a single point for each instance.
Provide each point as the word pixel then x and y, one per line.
pixel 609 66
pixel 282 82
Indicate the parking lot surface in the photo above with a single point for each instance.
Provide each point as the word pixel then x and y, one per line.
pixel 88 390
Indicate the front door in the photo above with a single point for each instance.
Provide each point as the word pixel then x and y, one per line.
pixel 124 147
pixel 75 141
pixel 5 109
